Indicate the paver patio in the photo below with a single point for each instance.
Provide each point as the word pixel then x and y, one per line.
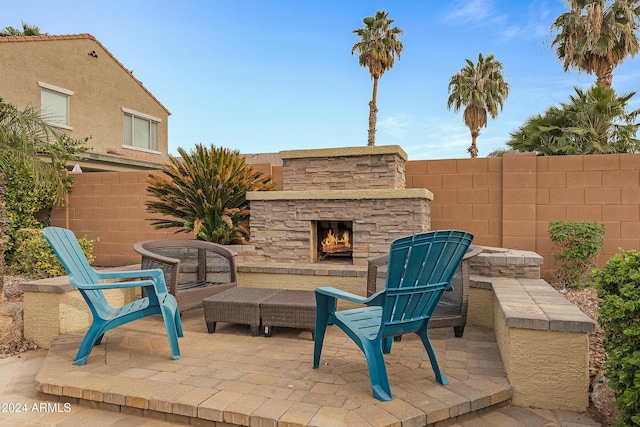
pixel 235 378
pixel 246 372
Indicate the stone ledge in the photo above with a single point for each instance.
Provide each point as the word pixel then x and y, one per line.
pixel 534 304
pixel 324 269
pixel 374 194
pixel 344 151
pixel 501 262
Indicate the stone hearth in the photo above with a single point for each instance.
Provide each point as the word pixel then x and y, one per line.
pixel 363 186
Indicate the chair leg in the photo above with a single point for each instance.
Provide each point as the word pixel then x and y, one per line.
pixel 458 331
pixel 386 344
pixel 211 327
pixel 169 315
pixel 424 335
pixel 255 330
pixel 322 318
pixel 377 370
pixel 93 336
pixel 178 322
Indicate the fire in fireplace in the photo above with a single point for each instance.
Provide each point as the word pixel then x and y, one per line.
pixel 335 239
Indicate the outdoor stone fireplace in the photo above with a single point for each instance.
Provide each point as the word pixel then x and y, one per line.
pixel 354 197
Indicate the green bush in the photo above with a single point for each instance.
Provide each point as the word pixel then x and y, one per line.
pixel 23 198
pixel 619 315
pixel 205 192
pixel 35 259
pixel 578 245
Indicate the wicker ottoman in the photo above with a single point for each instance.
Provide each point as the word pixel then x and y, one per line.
pixel 236 305
pixel 289 308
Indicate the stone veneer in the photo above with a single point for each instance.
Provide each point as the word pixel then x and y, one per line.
pixel 282 221
pixel 361 185
pixel 347 168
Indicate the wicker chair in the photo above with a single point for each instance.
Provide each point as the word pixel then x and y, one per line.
pixel 193 269
pixel 452 309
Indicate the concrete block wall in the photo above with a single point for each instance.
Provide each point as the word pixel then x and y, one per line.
pixel 109 206
pixel 506 202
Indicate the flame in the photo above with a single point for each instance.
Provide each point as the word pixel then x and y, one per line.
pixel 334 239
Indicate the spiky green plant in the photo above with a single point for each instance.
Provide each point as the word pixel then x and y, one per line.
pixel 204 191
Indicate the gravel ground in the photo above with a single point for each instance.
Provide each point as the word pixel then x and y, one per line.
pixel 13 294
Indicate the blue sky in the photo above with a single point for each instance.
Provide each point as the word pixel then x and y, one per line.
pixel 271 75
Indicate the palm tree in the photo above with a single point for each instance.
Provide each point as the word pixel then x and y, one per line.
pixel 377 49
pixel 24 136
pixel 592 122
pixel 597 35
pixel 480 88
pixel 204 192
pixel 27 30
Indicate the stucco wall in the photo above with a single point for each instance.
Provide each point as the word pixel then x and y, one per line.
pixel 101 86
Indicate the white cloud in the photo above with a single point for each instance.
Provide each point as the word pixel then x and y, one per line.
pixel 465 11
pixel 395 127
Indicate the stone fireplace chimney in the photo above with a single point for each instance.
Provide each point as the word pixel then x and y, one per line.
pixel 359 189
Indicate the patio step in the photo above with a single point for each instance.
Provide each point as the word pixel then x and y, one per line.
pixel 235 378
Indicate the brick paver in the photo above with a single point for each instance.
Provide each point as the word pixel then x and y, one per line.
pixel 232 377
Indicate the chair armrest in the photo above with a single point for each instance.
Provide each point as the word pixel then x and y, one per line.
pixel 348 296
pixel 154 256
pixel 155 274
pixel 116 285
pixel 127 274
pixel 372 271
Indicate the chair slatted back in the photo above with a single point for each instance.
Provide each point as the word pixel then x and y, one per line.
pixel 420 269
pixel 66 247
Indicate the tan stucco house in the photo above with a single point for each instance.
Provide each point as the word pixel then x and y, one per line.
pixel 84 90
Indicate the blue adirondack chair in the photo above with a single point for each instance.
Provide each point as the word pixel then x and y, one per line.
pixel 419 271
pixel 89 283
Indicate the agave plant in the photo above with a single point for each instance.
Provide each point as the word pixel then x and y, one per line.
pixel 204 191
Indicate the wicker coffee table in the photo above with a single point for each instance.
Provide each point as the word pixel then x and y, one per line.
pixel 236 305
pixel 289 308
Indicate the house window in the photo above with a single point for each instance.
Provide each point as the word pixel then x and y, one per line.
pixel 140 130
pixel 55 105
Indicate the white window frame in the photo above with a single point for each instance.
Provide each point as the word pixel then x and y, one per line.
pixel 136 114
pixel 66 93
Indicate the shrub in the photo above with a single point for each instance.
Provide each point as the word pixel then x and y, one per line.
pixel 578 245
pixel 35 259
pixel 619 315
pixel 204 192
pixel 23 198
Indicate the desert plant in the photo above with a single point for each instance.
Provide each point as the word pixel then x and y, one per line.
pixel 481 89
pixel 619 315
pixel 595 36
pixel 377 49
pixel 35 258
pixel 594 121
pixel 204 192
pixel 577 247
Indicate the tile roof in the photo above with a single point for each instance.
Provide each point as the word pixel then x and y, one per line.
pixel 85 36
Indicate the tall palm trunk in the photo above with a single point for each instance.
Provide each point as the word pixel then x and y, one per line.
pixel 473 148
pixel 604 75
pixel 373 112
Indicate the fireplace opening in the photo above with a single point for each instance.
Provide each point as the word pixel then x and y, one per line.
pixel 334 240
